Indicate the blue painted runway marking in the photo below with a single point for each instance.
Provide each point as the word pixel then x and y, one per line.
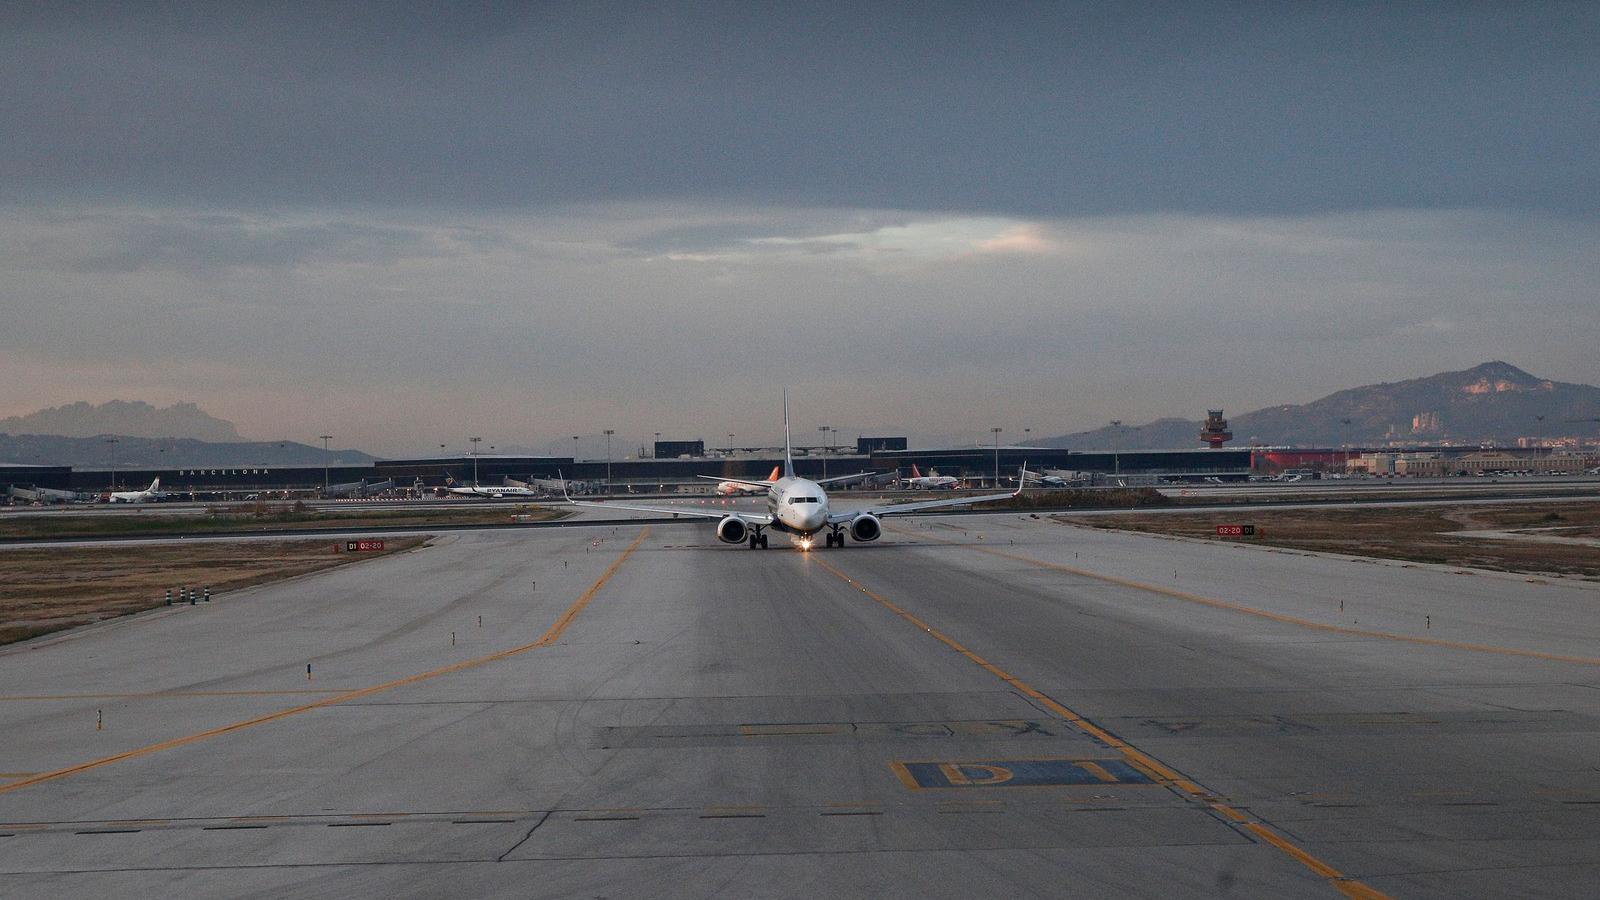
pixel 936 774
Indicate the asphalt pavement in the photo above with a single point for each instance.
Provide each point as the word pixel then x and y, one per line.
pixel 973 706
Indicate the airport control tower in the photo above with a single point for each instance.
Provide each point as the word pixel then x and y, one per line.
pixel 1215 432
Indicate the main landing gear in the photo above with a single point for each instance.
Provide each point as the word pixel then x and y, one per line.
pixel 835 538
pixel 757 539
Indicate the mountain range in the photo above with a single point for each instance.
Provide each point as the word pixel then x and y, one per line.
pixel 165 453
pixel 1493 402
pixel 123 417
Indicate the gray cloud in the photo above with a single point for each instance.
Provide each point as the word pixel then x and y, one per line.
pixel 421 220
pixel 1051 110
pixel 546 326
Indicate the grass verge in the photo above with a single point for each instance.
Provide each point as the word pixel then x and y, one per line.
pixel 52 589
pixel 261 517
pixel 1415 534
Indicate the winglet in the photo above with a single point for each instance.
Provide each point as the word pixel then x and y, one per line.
pixel 563 479
pixel 1022 479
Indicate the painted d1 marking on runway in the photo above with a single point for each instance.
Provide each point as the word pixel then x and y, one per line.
pixel 936 774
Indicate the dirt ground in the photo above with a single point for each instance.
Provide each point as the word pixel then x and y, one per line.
pixel 1417 534
pixel 51 589
pixel 275 516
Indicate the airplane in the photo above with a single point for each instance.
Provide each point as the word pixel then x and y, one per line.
pixel 735 486
pixel 151 494
pixel 931 481
pixel 492 493
pixel 799 506
pixel 1049 479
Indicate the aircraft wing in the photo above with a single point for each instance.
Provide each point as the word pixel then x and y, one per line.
pixel 845 477
pixel 894 509
pixel 763 485
pixel 752 518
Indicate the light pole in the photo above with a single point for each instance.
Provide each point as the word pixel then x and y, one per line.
pixel 1116 460
pixel 996 431
pixel 1346 424
pixel 826 445
pixel 113 462
pixel 475 441
pixel 730 443
pixel 652 448
pixel 325 439
pixel 609 433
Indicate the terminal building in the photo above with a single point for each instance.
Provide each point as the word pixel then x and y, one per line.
pixel 882 458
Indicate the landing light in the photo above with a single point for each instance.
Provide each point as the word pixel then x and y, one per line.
pixel 805 543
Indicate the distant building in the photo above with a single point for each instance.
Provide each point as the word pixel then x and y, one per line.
pixel 1426 423
pixel 1215 432
pixel 869 445
pixel 675 449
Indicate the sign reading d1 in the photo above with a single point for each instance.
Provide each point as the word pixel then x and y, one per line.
pixel 363 546
pixel 1236 530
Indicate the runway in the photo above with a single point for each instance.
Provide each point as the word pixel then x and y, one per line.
pixel 974 706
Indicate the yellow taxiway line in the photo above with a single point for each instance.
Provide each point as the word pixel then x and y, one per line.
pixel 1134 756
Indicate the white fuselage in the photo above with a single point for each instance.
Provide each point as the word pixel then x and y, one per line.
pixel 797 505
pixel 493 492
pixel 148 495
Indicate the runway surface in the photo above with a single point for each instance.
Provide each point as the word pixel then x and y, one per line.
pixel 974 706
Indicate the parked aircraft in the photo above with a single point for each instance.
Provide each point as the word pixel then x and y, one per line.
pixel 151 494
pixel 734 486
pixel 931 481
pixel 1058 479
pixel 799 506
pixel 521 492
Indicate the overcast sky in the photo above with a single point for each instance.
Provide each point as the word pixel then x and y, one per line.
pixel 406 225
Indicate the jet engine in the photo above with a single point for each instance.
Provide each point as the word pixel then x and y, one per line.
pixel 865 528
pixel 732 530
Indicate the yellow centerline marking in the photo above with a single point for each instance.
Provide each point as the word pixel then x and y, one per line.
pixel 1285 618
pixel 1133 755
pixel 549 637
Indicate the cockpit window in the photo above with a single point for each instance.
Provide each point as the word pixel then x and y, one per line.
pixel 799 500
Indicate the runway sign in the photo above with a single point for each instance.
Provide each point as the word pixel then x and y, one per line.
pixel 1015 773
pixel 1236 530
pixel 363 546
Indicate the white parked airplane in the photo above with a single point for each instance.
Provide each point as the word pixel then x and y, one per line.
pixel 799 506
pixel 931 481
pixel 495 493
pixel 150 494
pixel 1051 479
pixel 736 486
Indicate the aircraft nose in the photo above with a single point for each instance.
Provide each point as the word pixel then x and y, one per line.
pixel 815 519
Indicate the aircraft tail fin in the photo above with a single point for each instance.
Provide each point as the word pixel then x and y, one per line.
pixel 914 472
pixel 155 485
pixel 788 451
pixel 774 475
